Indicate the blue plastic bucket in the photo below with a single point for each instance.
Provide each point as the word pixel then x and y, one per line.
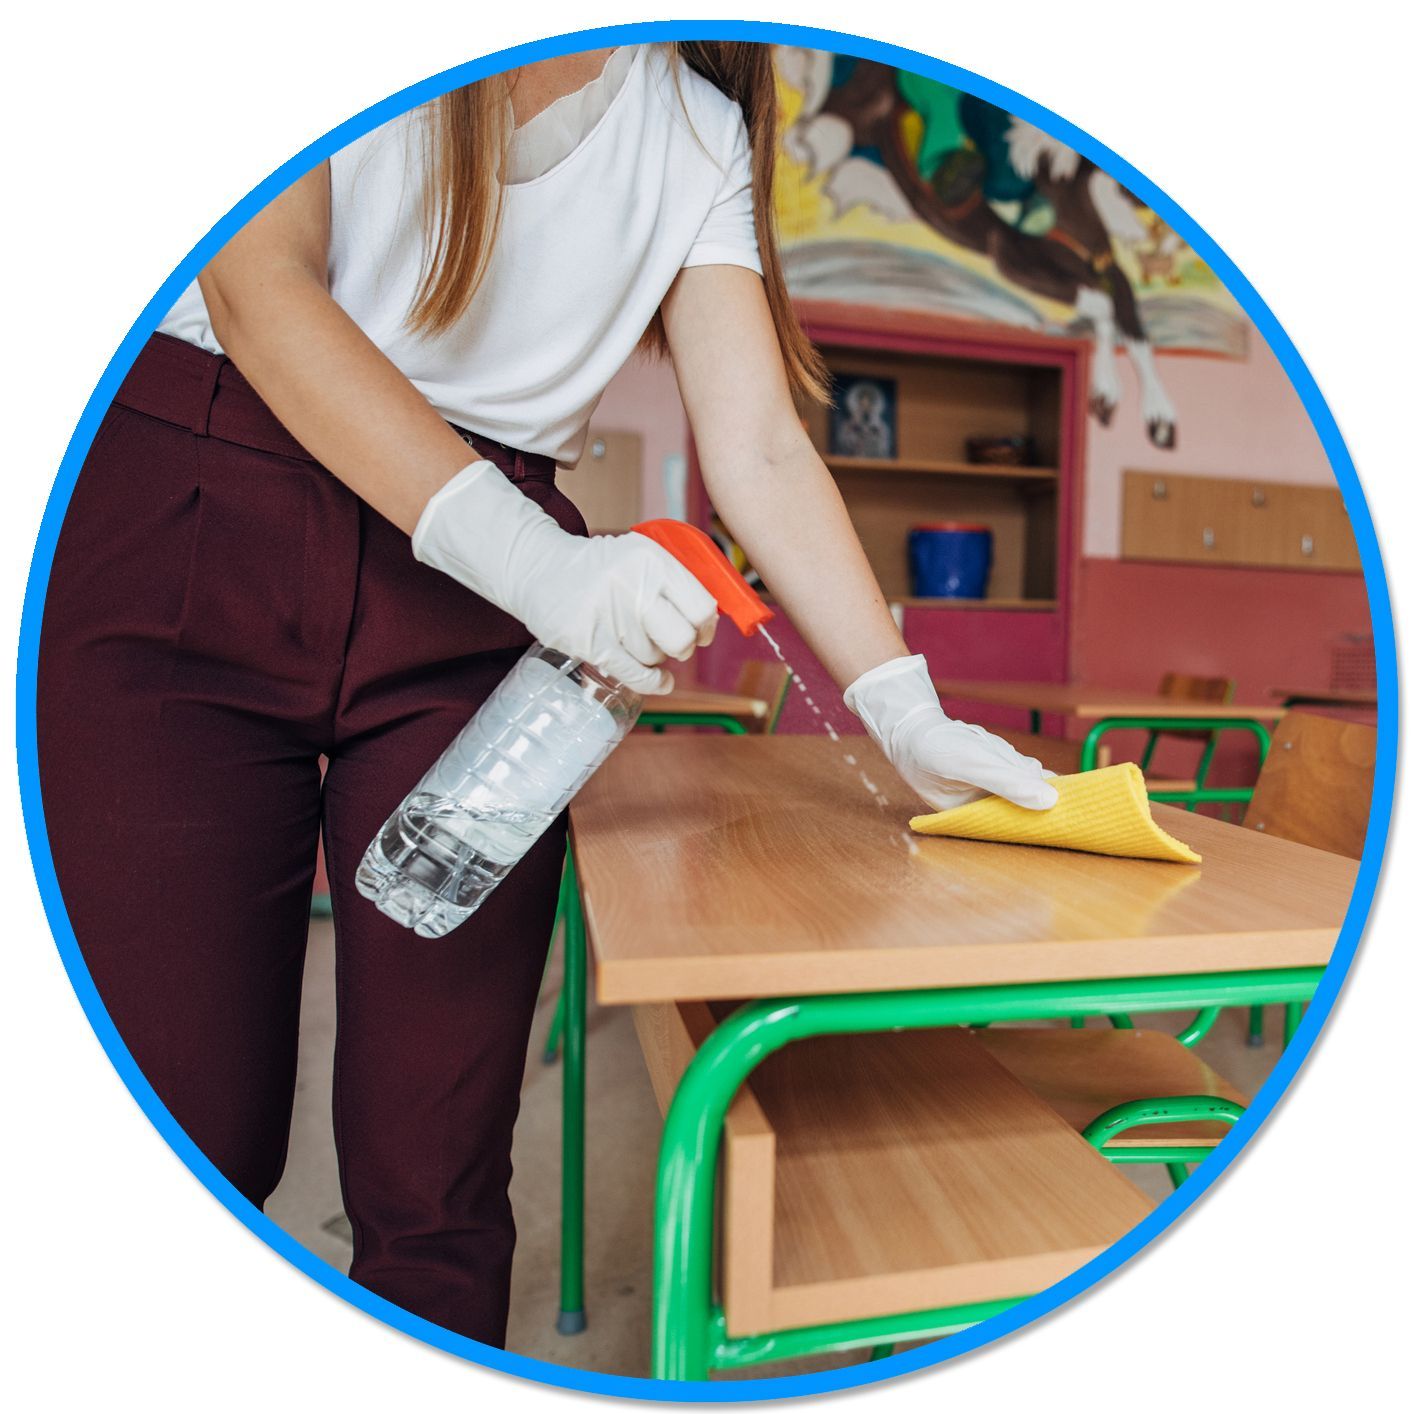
pixel 950 560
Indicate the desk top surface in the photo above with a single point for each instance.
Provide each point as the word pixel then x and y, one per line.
pixel 1327 696
pixel 761 866
pixel 1091 700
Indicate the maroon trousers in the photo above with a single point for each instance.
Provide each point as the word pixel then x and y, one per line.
pixel 222 613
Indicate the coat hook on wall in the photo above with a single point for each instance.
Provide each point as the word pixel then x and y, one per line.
pixel 1208 538
pixel 1257 497
pixel 1306 545
pixel 1158 490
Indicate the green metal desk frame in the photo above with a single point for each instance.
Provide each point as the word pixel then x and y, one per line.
pixel 688 1333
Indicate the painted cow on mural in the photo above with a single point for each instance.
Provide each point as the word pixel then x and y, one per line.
pixel 1045 215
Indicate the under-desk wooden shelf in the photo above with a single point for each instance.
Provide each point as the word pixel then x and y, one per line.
pixel 865 1175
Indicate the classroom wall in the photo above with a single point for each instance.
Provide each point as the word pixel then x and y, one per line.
pixel 1265 628
pixel 1235 417
pixel 644 397
pixel 1131 621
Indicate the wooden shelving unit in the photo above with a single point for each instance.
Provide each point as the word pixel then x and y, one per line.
pixel 923 467
pixel 955 381
pixel 942 400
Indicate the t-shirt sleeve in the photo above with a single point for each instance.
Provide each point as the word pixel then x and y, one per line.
pixel 727 236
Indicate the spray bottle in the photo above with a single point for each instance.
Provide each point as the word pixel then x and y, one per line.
pixel 516 765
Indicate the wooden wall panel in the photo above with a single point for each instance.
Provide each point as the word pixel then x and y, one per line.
pixel 1217 521
pixel 606 484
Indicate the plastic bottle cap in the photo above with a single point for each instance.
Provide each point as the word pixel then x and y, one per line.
pixel 709 565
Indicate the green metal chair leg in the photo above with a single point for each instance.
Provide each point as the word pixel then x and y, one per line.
pixel 1203 768
pixel 1087 757
pixel 1256 1036
pixel 572 1318
pixel 880 1352
pixel 1200 1025
pixel 1293 1015
pixel 1179 1174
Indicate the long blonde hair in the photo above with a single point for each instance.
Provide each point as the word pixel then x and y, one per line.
pixel 470 130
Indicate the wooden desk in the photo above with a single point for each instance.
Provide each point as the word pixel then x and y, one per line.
pixel 1325 697
pixel 1090 701
pixel 742 869
pixel 762 869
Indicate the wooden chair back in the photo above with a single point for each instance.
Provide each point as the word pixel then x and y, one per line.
pixel 1187 687
pixel 768 682
pixel 1316 786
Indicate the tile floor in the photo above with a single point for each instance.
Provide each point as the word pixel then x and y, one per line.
pixel 623 1127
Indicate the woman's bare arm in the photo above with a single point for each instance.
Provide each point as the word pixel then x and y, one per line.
pixel 764 476
pixel 267 294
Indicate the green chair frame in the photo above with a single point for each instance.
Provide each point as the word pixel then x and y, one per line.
pixel 1087 758
pixel 1173 1109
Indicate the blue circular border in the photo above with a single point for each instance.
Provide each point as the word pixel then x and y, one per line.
pixel 1278 1081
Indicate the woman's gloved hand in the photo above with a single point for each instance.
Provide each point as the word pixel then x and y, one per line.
pixel 619 602
pixel 947 763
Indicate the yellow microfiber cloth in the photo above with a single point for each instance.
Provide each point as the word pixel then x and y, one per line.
pixel 1102 812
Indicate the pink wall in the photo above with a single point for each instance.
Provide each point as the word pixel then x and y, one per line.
pixel 1265 628
pixel 1235 417
pixel 644 397
pixel 1132 622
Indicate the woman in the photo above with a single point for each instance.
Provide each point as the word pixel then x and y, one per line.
pixel 264 567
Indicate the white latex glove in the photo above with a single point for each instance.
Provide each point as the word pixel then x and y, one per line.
pixel 619 602
pixel 947 763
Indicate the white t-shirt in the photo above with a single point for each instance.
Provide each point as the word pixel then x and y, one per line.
pixel 585 252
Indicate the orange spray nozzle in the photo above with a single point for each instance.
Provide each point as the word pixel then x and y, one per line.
pixel 709 565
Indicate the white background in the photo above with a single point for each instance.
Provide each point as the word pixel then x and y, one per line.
pixel 1284 130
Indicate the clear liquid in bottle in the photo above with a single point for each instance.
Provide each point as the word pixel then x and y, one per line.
pixel 495 790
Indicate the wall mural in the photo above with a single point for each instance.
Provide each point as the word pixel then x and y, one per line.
pixel 895 189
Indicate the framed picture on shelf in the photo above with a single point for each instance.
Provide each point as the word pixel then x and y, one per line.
pixel 863 417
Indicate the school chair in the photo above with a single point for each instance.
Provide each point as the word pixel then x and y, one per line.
pixel 768 682
pixel 1137 1097
pixel 1315 788
pixel 1185 687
